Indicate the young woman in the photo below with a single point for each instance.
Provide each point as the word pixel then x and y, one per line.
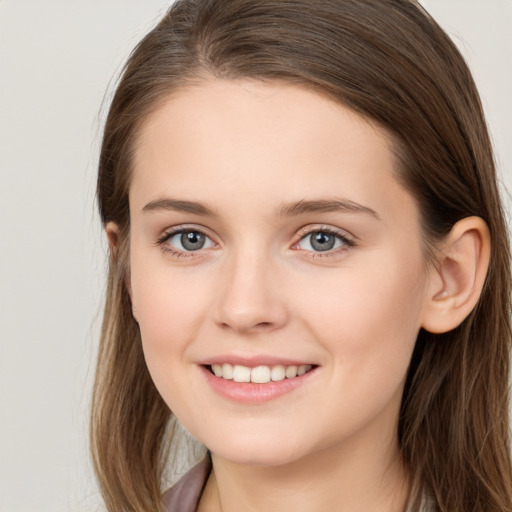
pixel 309 266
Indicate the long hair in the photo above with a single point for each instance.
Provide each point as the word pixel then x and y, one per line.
pixel 391 63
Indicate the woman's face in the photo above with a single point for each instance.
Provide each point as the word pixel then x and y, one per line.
pixel 270 236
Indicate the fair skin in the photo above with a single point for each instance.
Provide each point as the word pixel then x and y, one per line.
pixel 303 249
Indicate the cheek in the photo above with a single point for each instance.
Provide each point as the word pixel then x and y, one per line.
pixel 369 327
pixel 168 313
pixel 368 316
pixel 169 306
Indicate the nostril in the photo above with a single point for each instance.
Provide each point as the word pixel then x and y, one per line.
pixel 246 326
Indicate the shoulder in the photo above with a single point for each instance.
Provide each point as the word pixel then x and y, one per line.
pixel 184 495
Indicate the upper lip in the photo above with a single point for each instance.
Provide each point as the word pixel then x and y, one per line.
pixel 253 361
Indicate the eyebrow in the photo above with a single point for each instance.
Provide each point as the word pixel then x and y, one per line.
pixel 285 210
pixel 324 206
pixel 179 205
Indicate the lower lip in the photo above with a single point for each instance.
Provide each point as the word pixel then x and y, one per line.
pixel 251 393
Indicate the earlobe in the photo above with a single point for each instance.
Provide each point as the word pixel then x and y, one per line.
pixel 458 279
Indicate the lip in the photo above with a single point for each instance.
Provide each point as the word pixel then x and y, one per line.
pixel 253 361
pixel 251 393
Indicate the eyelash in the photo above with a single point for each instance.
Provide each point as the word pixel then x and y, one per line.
pixel 347 242
pixel 168 235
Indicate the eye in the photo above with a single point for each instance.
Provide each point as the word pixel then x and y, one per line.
pixel 324 240
pixel 186 240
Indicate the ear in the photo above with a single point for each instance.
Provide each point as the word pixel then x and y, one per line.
pixel 114 239
pixel 457 281
pixel 112 232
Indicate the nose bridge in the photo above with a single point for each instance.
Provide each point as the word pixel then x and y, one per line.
pixel 249 298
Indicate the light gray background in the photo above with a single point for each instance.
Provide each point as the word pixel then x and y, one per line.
pixel 57 59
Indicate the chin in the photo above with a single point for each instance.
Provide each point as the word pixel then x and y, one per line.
pixel 260 452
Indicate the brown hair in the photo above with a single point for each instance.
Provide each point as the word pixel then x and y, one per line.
pixel 390 62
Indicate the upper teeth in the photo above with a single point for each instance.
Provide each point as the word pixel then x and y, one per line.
pixel 259 374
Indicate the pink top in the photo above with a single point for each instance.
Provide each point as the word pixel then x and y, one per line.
pixel 185 494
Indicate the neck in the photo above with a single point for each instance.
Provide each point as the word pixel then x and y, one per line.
pixel 353 477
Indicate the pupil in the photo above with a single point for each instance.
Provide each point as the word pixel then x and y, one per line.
pixel 322 241
pixel 192 240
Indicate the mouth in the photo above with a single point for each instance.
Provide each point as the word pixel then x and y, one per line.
pixel 261 374
pixel 249 382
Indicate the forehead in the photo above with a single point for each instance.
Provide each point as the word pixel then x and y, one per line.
pixel 239 139
pixel 249 110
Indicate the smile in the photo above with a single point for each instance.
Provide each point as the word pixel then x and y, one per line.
pixel 259 374
pixel 254 383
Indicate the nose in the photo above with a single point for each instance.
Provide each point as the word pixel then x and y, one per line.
pixel 251 297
